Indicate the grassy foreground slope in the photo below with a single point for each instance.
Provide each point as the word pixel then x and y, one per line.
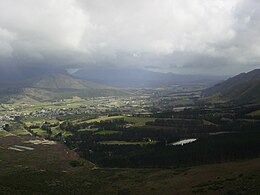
pixel 47 170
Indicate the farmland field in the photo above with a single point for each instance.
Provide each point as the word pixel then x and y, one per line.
pixel 138 121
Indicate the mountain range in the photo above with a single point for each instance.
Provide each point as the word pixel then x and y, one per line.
pixel 244 87
pixel 139 78
pixel 47 84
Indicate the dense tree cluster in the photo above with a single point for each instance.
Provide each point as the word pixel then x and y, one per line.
pixel 223 134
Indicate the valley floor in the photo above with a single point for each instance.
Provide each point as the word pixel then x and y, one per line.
pixel 47 170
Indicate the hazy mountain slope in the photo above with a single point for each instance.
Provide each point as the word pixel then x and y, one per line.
pixel 54 86
pixel 108 76
pixel 244 87
pixel 61 81
pixel 141 78
pixel 58 81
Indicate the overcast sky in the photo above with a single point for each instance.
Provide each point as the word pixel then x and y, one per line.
pixel 181 36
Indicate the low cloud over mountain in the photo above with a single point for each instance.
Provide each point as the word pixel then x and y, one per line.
pixel 191 37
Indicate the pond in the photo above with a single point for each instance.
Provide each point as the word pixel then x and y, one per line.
pixel 182 142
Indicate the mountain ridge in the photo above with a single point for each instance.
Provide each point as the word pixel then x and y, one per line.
pixel 55 86
pixel 244 87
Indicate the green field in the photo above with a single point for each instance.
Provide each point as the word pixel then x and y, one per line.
pixel 40 132
pixel 4 133
pixel 90 130
pixel 105 118
pixel 255 113
pixel 184 101
pixel 138 121
pixel 66 133
pixel 19 130
pixel 39 121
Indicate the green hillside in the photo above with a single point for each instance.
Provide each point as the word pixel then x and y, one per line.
pixel 52 87
pixel 244 87
pixel 61 81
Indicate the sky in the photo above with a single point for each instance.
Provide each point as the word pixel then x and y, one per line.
pixel 214 37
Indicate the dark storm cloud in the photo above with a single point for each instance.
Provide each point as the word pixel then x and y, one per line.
pixel 200 36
